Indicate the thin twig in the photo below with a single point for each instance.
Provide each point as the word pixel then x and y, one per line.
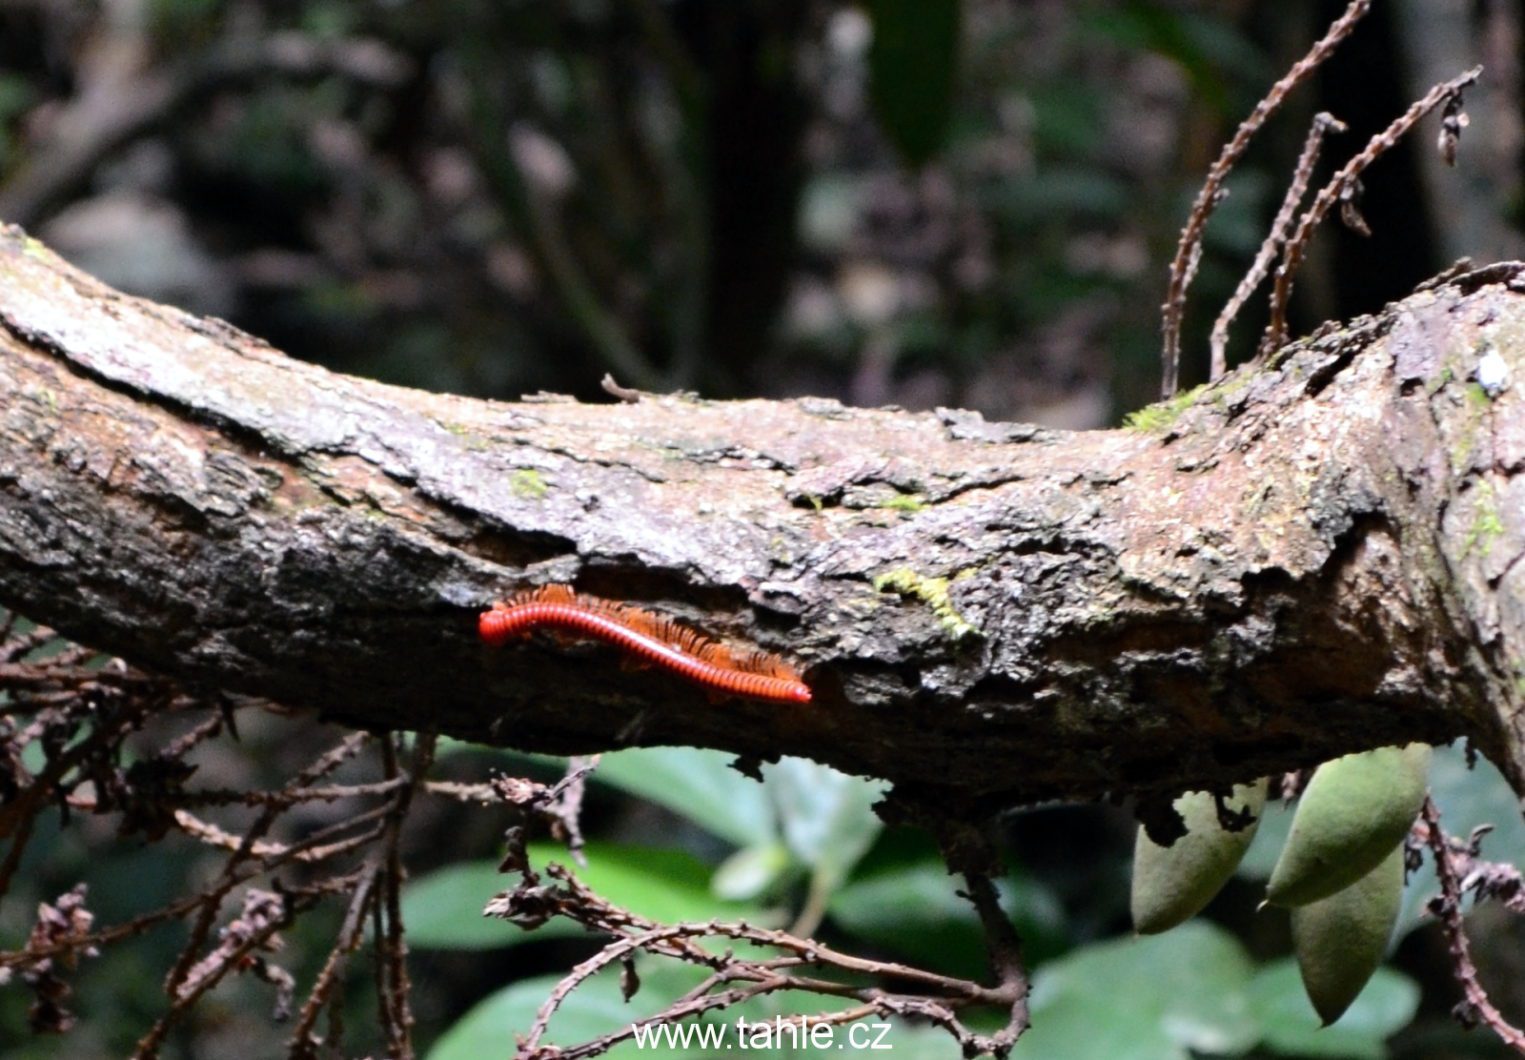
pixel 672 1014
pixel 183 744
pixel 282 797
pixel 1189 249
pixel 351 934
pixel 603 917
pixel 484 794
pixel 533 902
pixel 18 648
pixel 325 764
pixel 180 908
pixel 1005 947
pixel 25 809
pixel 1323 123
pixel 210 834
pixel 567 805
pixel 259 927
pixel 1477 1006
pixel 393 945
pixel 1339 184
pixel 271 851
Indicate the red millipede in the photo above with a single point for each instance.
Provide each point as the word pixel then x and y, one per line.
pixel 652 638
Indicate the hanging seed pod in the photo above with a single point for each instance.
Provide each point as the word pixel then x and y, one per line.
pixel 1340 940
pixel 1355 810
pixel 1173 884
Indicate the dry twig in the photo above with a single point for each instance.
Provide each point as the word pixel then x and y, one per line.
pixel 1475 1007
pixel 532 903
pixel 326 763
pixel 1189 249
pixel 302 1044
pixel 81 717
pixel 1340 188
pixel 1323 124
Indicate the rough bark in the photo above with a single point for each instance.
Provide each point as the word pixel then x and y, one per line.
pixel 1315 555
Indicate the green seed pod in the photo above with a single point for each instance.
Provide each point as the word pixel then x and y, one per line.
pixel 1340 940
pixel 1172 884
pixel 1356 809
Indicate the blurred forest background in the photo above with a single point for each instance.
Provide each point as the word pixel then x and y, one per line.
pixel 916 202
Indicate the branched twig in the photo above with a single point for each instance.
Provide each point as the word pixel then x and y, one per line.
pixel 325 764
pixel 80 718
pixel 301 1044
pixel 264 914
pixel 1476 1007
pixel 175 910
pixel 19 818
pixel 1339 187
pixel 734 980
pixel 1006 961
pixel 591 910
pixel 967 850
pixel 1189 249
pixel 1323 123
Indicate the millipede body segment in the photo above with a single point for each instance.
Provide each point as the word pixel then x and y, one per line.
pixel 655 639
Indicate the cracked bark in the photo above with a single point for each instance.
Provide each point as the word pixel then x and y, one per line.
pixel 1313 556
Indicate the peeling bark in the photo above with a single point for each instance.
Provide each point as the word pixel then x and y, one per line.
pixel 1314 555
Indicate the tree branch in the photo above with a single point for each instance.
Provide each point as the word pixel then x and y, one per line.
pixel 1313 555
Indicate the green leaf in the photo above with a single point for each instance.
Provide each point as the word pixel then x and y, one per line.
pixel 751 871
pixel 1121 1029
pixel 698 785
pixel 827 817
pixel 668 886
pixel 1386 1006
pixel 1158 996
pixel 444 909
pixel 903 1039
pixel 917 912
pixel 1470 797
pixel 912 64
pixel 488 1029
pixel 595 1008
